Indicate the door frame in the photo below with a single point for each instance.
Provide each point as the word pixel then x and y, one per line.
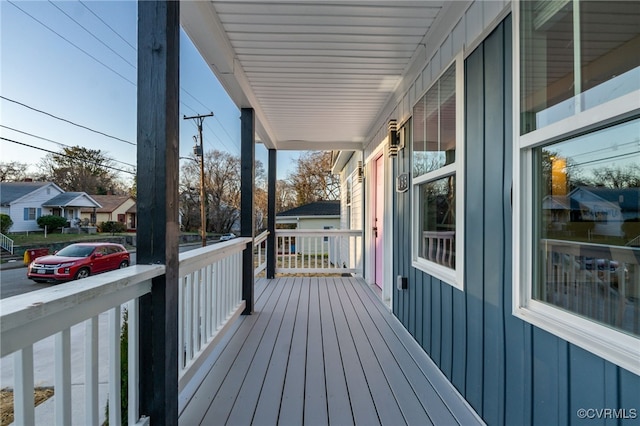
pixel 370 181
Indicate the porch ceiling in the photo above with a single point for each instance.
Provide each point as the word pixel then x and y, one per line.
pixel 317 73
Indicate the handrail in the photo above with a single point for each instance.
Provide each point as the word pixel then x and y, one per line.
pixel 30 317
pixel 6 243
pixel 260 252
pixel 210 299
pixel 334 251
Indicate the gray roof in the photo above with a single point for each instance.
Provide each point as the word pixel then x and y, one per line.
pixel 11 191
pixel 318 208
pixel 64 200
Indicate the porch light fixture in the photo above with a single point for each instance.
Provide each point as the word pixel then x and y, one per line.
pixel 360 172
pixel 393 138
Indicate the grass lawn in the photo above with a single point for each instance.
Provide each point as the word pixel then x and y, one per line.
pixel 39 238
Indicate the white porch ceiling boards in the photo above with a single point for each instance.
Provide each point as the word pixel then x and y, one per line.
pixel 317 73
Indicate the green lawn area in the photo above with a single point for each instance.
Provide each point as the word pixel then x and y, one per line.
pixel 39 238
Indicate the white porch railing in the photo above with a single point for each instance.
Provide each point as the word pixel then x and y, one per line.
pixel 260 252
pixel 209 300
pixel 318 251
pixel 210 297
pixel 438 247
pixel 6 243
pixel 31 317
pixel 597 281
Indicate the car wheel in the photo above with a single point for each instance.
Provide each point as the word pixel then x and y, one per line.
pixel 82 273
pixel 123 264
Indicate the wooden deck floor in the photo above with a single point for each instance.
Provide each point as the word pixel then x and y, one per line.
pixel 321 351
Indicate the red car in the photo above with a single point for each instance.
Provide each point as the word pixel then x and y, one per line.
pixel 78 261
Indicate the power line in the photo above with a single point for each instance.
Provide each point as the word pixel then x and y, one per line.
pixel 93 35
pixel 68 156
pixel 108 26
pixel 235 148
pixel 56 142
pixel 67 121
pixel 71 43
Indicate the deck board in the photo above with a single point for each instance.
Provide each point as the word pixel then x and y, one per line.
pixel 322 351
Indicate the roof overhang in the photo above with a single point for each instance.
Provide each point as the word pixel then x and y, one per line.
pixel 318 75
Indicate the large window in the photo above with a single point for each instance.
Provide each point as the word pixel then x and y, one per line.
pixel 588 226
pixel 437 166
pixel 576 55
pixel 577 171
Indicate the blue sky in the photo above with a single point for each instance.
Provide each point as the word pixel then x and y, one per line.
pixel 87 76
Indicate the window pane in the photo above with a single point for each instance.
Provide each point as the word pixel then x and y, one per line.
pixel 570 65
pixel 438 221
pixel 588 223
pixel 434 126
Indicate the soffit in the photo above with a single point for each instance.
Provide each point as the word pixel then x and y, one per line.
pixel 318 74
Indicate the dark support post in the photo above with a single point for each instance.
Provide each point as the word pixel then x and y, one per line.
pixel 271 216
pixel 247 208
pixel 157 201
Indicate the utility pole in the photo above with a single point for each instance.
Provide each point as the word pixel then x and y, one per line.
pixel 203 219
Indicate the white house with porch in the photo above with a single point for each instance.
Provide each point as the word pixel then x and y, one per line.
pixel 25 202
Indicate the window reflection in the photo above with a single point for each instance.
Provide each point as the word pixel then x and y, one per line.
pixel 434 131
pixel 588 213
pixel 576 55
pixel 438 221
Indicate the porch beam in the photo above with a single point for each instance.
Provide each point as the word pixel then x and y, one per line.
pixel 247 203
pixel 271 215
pixel 157 242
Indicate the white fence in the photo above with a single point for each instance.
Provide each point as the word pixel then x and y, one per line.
pixel 209 300
pixel 318 251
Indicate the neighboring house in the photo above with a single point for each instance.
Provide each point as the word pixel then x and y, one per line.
pixel 606 208
pixel 316 215
pixel 115 208
pixel 69 205
pixel 25 202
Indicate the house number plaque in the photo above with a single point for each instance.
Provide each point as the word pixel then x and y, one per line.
pixel 402 182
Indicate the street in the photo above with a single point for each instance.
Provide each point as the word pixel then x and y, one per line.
pixel 15 281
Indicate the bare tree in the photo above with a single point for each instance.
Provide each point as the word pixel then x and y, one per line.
pixel 82 169
pixel 627 176
pixel 285 196
pixel 13 171
pixel 312 180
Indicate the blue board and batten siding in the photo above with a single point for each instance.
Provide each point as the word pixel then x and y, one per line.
pixel 509 371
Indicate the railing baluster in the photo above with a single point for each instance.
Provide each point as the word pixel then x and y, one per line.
pixel 63 377
pixel 206 305
pixel 195 327
pixel 91 371
pixel 114 367
pixel 133 370
pixel 182 284
pixel 23 392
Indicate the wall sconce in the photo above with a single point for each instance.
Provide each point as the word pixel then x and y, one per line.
pixel 360 171
pixel 393 138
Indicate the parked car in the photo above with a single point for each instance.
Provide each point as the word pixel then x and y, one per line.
pixel 227 237
pixel 77 261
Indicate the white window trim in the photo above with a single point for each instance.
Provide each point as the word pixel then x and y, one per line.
pixel 453 277
pixel 612 345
